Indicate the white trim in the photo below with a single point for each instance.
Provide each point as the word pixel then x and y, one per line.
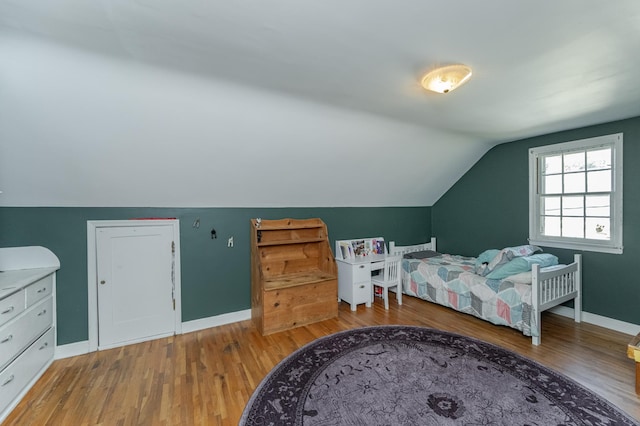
pixel 92 226
pixel 83 347
pixel 568 244
pixel 215 321
pixel 72 349
pixel 134 341
pixel 599 320
pixel 615 246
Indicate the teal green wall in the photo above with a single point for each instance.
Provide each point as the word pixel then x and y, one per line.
pixel 489 208
pixel 215 279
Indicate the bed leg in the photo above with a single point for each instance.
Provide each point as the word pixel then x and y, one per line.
pixel 538 319
pixel 577 302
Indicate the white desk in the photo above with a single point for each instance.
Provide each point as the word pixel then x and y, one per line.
pixel 354 278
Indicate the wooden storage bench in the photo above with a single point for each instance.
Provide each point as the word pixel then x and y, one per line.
pixel 293 274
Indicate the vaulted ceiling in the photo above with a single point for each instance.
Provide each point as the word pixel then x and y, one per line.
pixel 289 103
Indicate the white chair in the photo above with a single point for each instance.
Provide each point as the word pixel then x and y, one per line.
pixel 389 277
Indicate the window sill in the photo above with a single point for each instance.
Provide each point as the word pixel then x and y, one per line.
pixel 576 246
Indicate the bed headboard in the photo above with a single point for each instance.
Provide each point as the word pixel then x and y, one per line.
pixel 401 250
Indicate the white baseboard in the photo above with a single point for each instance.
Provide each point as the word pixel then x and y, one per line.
pixel 80 348
pixel 606 322
pixel 201 324
pixel 72 349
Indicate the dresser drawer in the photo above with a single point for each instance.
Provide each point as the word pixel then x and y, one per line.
pixel 18 333
pixel 23 370
pixel 39 290
pixel 11 307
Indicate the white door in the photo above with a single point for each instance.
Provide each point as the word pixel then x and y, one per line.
pixel 135 274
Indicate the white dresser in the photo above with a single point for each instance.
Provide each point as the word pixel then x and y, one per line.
pixel 27 320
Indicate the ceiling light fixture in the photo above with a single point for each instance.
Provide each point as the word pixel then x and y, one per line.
pixel 447 78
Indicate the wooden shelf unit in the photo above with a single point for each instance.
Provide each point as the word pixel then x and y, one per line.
pixel 294 279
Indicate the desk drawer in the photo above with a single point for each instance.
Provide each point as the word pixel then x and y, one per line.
pixel 11 307
pixel 17 334
pixel 361 272
pixel 362 292
pixel 39 290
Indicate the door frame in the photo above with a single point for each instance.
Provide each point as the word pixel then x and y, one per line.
pixel 92 270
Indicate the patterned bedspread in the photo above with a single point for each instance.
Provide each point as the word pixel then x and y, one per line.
pixel 449 280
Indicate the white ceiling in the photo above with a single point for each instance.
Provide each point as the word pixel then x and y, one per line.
pixel 539 67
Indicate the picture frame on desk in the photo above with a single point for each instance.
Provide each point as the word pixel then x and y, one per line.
pixel 360 248
pixel 346 250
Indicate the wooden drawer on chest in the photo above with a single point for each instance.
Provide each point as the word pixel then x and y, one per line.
pixel 39 290
pixel 18 333
pixel 11 307
pixel 20 372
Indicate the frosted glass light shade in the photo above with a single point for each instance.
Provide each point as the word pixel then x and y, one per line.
pixel 446 79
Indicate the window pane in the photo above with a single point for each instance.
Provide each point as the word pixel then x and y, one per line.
pixel 574 162
pixel 552 165
pixel 550 206
pixel 552 184
pixel 598 205
pixel 599 181
pixel 574 182
pixel 572 206
pixel 573 227
pixel 551 226
pixel 598 228
pixel 600 159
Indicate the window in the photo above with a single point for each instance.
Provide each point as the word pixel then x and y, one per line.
pixel 575 194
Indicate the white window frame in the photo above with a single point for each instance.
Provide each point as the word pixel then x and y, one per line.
pixel 614 244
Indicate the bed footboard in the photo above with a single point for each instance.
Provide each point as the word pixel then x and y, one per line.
pixel 551 288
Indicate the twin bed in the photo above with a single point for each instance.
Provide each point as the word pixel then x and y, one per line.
pixel 495 286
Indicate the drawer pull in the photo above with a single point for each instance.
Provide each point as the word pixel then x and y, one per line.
pixel 361 285
pixel 8 310
pixel 9 380
pixel 361 266
pixel 44 311
pixel 43 346
pixel 42 290
pixel 7 339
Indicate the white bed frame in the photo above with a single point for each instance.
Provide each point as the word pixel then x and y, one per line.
pixel 549 288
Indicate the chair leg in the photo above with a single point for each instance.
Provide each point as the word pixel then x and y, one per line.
pixel 386 297
pixel 399 294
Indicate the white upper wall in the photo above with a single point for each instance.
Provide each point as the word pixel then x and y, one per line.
pixel 289 103
pixel 79 129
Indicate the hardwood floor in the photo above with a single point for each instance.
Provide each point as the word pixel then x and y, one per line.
pixel 206 377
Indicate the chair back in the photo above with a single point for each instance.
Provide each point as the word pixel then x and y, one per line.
pixel 392 268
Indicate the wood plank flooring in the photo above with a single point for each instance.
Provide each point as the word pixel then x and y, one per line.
pixel 206 377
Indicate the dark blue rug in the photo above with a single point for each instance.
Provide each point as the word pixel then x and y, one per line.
pixel 402 375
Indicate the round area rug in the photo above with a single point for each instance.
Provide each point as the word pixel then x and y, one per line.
pixel 403 375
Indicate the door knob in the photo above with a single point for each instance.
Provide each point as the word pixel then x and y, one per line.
pixel 103 282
